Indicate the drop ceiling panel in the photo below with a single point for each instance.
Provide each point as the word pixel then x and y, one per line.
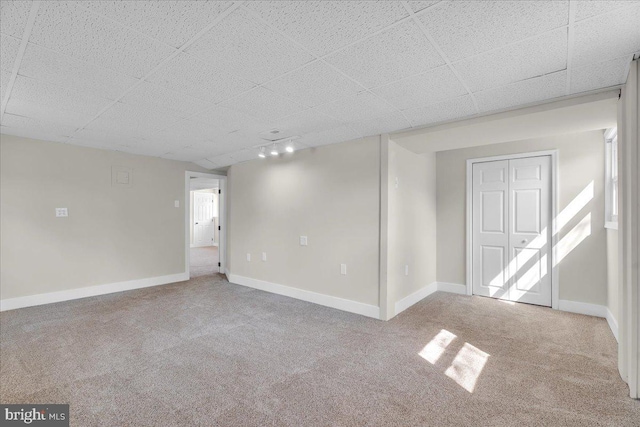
pixel 193 77
pixel 150 96
pixel 44 101
pixel 31 133
pixel 603 74
pixel 607 36
pixel 391 55
pixel 307 121
pixel 8 52
pixel 385 124
pixel 185 132
pixel 314 84
pixel 95 144
pixel 205 164
pixel 115 137
pixel 589 8
pixel 13 17
pixel 132 120
pixel 519 61
pixel 465 28
pixel 146 149
pixel 66 71
pixel 244 156
pixel 417 6
pixel 328 25
pixel 67 28
pixel 226 120
pixel 263 104
pixel 331 136
pixel 360 107
pixel 450 109
pixel 42 127
pixel 423 89
pixel 233 158
pixel 185 155
pixel 243 46
pixel 4 82
pixel 524 92
pixel 171 22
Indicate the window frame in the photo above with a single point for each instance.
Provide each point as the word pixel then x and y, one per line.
pixel 611 189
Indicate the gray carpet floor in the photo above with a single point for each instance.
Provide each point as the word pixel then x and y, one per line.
pixel 209 353
pixel 203 261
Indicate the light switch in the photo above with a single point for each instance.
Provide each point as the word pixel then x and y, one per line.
pixel 397 182
pixel 176 203
pixel 60 212
pixel 406 270
pixel 264 256
pixel 303 240
pixel 343 269
pixel 248 257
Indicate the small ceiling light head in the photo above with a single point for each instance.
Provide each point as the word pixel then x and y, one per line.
pixel 262 153
pixel 274 150
pixel 289 147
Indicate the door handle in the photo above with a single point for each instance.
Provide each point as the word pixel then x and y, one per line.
pixel 524 241
pixel 196 223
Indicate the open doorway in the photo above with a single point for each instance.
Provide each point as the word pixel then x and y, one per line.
pixel 204 224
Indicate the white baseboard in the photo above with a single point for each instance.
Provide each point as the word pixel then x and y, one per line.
pixel 453 288
pixel 613 324
pixel 89 291
pixel 421 294
pixel 316 298
pixel 582 308
pixel 415 297
pixel 590 310
pixel 563 305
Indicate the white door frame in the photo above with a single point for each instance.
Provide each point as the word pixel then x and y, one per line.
pixel 555 281
pixel 222 206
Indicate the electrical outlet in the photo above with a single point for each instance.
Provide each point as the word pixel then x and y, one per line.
pixel 248 257
pixel 303 241
pixel 176 203
pixel 406 270
pixel 264 256
pixel 60 212
pixel 343 269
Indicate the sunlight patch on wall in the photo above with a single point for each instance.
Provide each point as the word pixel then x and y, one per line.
pixel 573 238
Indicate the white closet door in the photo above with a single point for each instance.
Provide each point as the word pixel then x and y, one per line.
pixel 530 226
pixel 511 230
pixel 490 229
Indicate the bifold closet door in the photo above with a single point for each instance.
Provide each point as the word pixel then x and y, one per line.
pixel 490 229
pixel 511 233
pixel 530 230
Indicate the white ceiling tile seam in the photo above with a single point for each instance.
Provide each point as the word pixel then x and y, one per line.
pixel 571 42
pixel 425 31
pixel 216 21
pixel 33 13
pixel 317 57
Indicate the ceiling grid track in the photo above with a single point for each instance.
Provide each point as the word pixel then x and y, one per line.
pixel 33 13
pixel 441 52
pixel 155 69
pixel 571 36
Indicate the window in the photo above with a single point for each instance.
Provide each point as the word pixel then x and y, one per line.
pixel 611 178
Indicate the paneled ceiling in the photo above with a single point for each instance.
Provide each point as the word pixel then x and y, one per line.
pixel 201 81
